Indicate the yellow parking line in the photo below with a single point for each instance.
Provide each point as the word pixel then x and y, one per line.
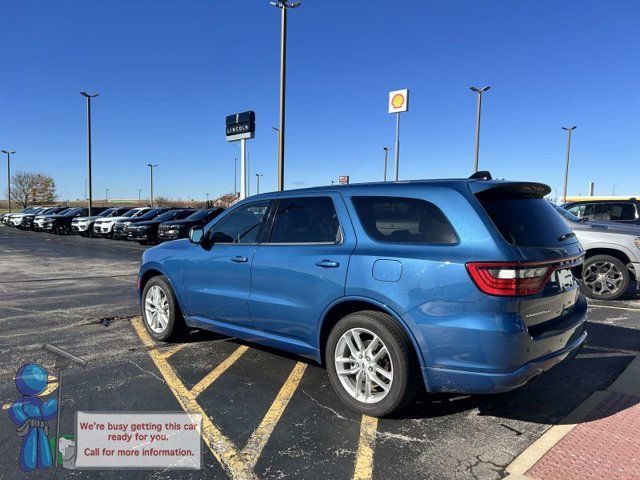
pixel 222 448
pixel 170 351
pixel 257 441
pixel 364 457
pixel 213 375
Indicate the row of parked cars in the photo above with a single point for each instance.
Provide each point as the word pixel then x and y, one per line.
pixel 145 225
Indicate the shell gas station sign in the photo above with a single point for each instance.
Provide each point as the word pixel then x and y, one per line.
pixel 399 101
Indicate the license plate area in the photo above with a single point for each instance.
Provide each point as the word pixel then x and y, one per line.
pixel 564 278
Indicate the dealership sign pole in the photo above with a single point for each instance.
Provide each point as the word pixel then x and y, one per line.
pixel 241 126
pixel 398 103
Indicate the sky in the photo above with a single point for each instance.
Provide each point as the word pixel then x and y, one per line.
pixel 169 71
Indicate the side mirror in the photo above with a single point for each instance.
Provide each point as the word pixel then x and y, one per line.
pixel 196 234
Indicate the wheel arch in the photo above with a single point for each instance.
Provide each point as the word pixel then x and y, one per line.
pixel 612 252
pixel 155 271
pixel 347 305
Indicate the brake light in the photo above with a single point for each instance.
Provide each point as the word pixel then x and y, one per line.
pixel 509 279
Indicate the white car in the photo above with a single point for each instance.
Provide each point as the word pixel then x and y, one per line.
pixel 103 227
pixel 15 219
pixel 84 225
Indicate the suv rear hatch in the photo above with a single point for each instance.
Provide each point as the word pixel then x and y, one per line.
pixel 548 256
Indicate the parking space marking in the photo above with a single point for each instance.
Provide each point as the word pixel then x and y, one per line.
pixel 257 441
pixel 366 445
pixel 213 375
pixel 171 350
pixel 222 448
pixel 631 309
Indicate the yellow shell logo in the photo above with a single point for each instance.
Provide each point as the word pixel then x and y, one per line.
pixel 397 101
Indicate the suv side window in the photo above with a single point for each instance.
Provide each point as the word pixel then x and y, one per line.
pixel 622 211
pixel 241 225
pixel 306 220
pixel 583 210
pixel 403 220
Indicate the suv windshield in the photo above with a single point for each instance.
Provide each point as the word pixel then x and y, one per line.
pixel 199 215
pixel 106 212
pixel 133 213
pixel 567 214
pixel 526 221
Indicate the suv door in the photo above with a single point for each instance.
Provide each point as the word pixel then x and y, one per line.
pixel 301 266
pixel 216 280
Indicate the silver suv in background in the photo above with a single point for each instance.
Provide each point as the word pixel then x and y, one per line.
pixel 103 227
pixel 612 255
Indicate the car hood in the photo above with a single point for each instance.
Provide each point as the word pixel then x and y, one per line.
pixel 147 223
pixel 112 219
pixel 84 219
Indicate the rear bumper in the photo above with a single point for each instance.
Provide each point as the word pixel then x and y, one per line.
pixel 443 380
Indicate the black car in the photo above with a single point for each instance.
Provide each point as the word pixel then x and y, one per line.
pixel 27 219
pixel 61 224
pixel 175 229
pixel 147 232
pixel 120 227
pixel 624 211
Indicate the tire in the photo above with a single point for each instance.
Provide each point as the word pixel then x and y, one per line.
pixel 174 326
pixel 62 230
pixel 399 360
pixel 605 277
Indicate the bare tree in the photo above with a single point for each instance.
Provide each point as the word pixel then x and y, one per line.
pixel 29 188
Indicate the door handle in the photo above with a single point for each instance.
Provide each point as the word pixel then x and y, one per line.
pixel 239 259
pixel 327 264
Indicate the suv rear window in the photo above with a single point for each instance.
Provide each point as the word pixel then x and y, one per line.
pixel 403 220
pixel 526 221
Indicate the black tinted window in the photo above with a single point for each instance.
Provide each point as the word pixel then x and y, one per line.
pixel 527 221
pixel 240 226
pixel 615 211
pixel 306 220
pixel 403 220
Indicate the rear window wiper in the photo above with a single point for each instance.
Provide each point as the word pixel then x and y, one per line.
pixel 566 236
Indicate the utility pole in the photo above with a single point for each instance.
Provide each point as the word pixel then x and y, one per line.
pixel 479 92
pixel 106 196
pixel 566 169
pixel 89 97
pixel 386 154
pixel 258 175
pixel 235 176
pixel 9 153
pixel 151 166
pixel 139 195
pixel 283 5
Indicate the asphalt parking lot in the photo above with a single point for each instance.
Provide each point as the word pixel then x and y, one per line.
pixel 267 415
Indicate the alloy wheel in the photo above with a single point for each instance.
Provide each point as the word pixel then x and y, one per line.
pixel 363 365
pixel 156 307
pixel 603 278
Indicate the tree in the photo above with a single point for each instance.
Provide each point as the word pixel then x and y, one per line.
pixel 29 188
pixel 226 200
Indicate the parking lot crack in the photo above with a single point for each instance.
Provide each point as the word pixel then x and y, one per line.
pixel 341 417
pixel 153 374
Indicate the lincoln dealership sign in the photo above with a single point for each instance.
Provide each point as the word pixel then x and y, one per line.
pixel 240 126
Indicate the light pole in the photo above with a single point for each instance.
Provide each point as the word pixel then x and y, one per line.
pixel 277 130
pixel 151 166
pixel 479 92
pixel 566 169
pixel 106 196
pixel 139 195
pixel 258 175
pixel 386 155
pixel 89 97
pixel 9 153
pixel 283 5
pixel 613 194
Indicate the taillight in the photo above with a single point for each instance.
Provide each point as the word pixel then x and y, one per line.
pixel 509 279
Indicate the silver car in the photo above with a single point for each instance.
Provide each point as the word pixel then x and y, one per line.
pixel 613 255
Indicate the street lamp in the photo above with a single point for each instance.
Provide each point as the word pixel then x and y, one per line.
pixel 106 196
pixel 566 169
pixel 283 5
pixel 258 175
pixel 139 195
pixel 479 92
pixel 89 97
pixel 9 153
pixel 386 155
pixel 151 167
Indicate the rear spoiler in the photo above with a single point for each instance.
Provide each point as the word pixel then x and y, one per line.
pixel 509 189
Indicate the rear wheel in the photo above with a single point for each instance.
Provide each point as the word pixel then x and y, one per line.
pixel 605 277
pixel 63 230
pixel 370 363
pixel 160 311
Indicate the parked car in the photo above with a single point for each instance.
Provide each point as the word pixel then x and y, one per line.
pixel 39 219
pixel 4 218
pixel 146 233
pixel 120 227
pixel 61 223
pixel 14 219
pixel 26 222
pixel 450 285
pixel 612 255
pixel 623 211
pixel 84 225
pixel 175 229
pixel 104 227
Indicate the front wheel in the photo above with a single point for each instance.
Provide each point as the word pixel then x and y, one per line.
pixel 160 311
pixel 605 277
pixel 370 363
pixel 63 230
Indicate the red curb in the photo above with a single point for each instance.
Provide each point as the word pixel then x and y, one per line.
pixel 606 445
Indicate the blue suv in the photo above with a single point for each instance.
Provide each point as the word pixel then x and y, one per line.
pixel 463 285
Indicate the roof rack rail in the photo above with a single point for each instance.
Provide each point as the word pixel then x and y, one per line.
pixel 481 175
